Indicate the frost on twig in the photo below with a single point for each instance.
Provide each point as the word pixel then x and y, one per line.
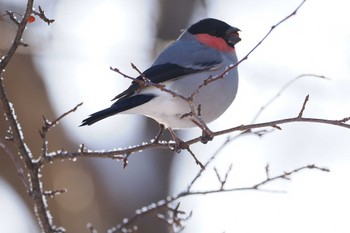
pixel 51 124
pixel 13 18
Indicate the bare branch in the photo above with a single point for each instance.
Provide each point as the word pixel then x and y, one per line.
pixel 18 166
pixel 21 25
pixel 220 76
pixel 91 228
pixel 346 119
pixel 42 16
pixel 267 171
pixel 223 181
pixel 122 154
pixel 283 89
pixel 284 176
pixel 121 73
pixel 276 124
pixel 53 193
pixel 36 190
pixel 174 218
pixel 12 17
pixel 303 107
pixel 195 158
pixel 48 125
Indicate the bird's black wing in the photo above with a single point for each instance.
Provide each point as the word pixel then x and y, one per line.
pixel 158 74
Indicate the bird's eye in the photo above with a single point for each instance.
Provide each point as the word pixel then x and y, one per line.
pixel 235 34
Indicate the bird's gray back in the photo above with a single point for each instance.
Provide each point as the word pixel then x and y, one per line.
pixel 188 52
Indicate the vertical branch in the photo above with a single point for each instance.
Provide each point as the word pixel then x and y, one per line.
pixel 33 168
pixel 18 37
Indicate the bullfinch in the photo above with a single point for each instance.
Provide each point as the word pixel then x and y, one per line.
pixel 203 52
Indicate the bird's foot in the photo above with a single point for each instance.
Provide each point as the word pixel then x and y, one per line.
pixel 159 134
pixel 207 135
pixel 179 143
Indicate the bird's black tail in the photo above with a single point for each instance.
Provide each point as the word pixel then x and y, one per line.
pixel 97 116
pixel 119 106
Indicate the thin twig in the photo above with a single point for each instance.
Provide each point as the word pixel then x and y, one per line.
pixel 42 16
pixel 209 161
pixel 18 166
pixel 303 107
pixel 195 158
pixel 91 228
pixel 220 76
pixel 224 180
pixel 12 17
pixel 282 90
pixel 48 125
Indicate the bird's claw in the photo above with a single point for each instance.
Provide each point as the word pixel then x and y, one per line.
pixel 159 134
pixel 207 136
pixel 178 145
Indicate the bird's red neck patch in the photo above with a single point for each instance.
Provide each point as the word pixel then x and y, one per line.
pixel 214 42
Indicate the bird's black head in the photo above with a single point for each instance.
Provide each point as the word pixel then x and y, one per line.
pixel 217 28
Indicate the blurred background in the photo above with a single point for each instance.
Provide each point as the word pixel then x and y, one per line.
pixel 68 62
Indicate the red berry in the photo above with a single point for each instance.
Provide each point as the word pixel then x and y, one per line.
pixel 31 19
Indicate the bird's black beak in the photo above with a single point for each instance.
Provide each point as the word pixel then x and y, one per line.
pixel 232 36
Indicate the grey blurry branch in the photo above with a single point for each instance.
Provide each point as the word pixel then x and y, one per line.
pixel 16 162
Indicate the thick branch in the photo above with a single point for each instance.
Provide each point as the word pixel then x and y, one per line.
pixel 36 190
pixel 120 153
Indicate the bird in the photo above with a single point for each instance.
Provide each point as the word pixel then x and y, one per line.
pixel 191 83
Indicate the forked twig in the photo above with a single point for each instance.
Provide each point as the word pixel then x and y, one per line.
pixel 42 16
pixel 282 90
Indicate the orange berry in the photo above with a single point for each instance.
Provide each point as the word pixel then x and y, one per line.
pixel 31 19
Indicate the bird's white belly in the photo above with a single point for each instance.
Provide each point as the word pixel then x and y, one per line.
pixel 214 99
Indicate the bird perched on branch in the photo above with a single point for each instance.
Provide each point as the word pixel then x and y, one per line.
pixel 191 83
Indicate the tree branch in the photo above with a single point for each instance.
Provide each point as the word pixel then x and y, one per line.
pixel 42 16
pixel 36 188
pixel 155 207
